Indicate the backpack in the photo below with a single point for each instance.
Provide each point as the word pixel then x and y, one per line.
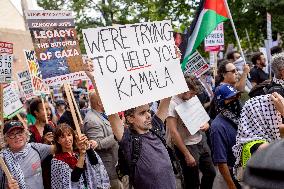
pixel 124 168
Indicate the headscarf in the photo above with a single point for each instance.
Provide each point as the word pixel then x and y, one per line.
pixel 259 120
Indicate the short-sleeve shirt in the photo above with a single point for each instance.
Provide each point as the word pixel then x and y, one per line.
pixel 187 138
pixel 153 168
pixel 31 165
pixel 223 138
pixel 258 75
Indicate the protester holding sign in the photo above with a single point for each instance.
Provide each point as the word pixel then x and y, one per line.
pixel 192 149
pixel 23 159
pixel 71 169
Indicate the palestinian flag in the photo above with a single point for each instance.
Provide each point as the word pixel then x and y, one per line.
pixel 209 15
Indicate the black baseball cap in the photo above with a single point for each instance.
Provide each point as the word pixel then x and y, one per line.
pixel 9 126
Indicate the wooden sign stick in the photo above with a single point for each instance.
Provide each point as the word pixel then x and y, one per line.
pixel 71 106
pixel 22 120
pixel 5 169
pixel 75 104
pixel 1 115
pixel 44 110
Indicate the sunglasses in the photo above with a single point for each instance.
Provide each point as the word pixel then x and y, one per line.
pixel 232 71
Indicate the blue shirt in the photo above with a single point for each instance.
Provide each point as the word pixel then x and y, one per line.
pixel 223 138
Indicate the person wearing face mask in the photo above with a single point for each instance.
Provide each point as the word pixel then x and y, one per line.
pixel 223 135
pixel 260 124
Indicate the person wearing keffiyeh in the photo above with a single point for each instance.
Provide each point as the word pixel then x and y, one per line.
pixel 71 169
pixel 259 125
pixel 22 159
pixel 223 135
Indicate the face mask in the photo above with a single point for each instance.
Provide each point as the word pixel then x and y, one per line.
pixel 234 106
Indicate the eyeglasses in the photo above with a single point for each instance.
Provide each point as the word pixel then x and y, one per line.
pixel 14 135
pixel 232 71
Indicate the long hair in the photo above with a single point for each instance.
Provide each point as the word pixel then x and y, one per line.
pixel 59 131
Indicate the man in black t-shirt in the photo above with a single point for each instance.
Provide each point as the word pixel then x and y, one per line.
pixel 257 74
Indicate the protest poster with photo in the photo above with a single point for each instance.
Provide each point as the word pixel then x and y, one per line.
pixel 38 85
pixel 215 40
pixel 6 61
pixel 196 65
pixel 56 46
pixel 134 64
pixel 192 114
pixel 11 102
pixel 24 78
pixel 6 48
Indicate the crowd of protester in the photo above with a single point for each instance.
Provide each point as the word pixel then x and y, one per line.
pixel 149 147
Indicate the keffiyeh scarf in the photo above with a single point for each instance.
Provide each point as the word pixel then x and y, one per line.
pixel 12 161
pixel 259 120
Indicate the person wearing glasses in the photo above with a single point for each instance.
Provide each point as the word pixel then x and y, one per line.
pixel 23 159
pixel 228 73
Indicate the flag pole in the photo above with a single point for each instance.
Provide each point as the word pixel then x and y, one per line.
pixel 234 29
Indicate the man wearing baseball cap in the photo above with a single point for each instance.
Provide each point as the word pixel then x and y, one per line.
pixel 223 135
pixel 23 159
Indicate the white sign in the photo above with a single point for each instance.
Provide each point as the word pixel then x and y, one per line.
pixel 6 61
pixel 215 38
pixel 196 65
pixel 134 64
pixel 26 83
pixel 12 103
pixel 192 114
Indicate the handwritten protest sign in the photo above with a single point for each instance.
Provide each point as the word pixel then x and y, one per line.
pixel 24 78
pixel 192 114
pixel 55 42
pixel 6 48
pixel 6 61
pixel 12 103
pixel 38 85
pixel 196 65
pixel 134 64
pixel 215 40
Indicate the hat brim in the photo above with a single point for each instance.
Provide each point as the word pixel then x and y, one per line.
pixel 15 127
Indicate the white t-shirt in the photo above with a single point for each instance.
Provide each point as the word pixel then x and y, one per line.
pixel 187 138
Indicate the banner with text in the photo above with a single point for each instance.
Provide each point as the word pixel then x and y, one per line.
pixel 24 78
pixel 6 48
pixel 196 65
pixel 38 85
pixel 12 103
pixel 215 40
pixel 56 45
pixel 134 64
pixel 6 61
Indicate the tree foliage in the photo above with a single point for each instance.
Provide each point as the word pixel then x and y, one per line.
pixel 249 15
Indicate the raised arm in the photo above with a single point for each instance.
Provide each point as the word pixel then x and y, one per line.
pixel 162 112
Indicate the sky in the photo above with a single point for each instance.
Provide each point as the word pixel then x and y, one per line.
pixel 31 4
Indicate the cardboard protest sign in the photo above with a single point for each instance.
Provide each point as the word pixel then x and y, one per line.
pixel 12 103
pixel 215 40
pixel 38 85
pixel 6 61
pixel 196 65
pixel 192 114
pixel 55 42
pixel 6 48
pixel 134 64
pixel 24 78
